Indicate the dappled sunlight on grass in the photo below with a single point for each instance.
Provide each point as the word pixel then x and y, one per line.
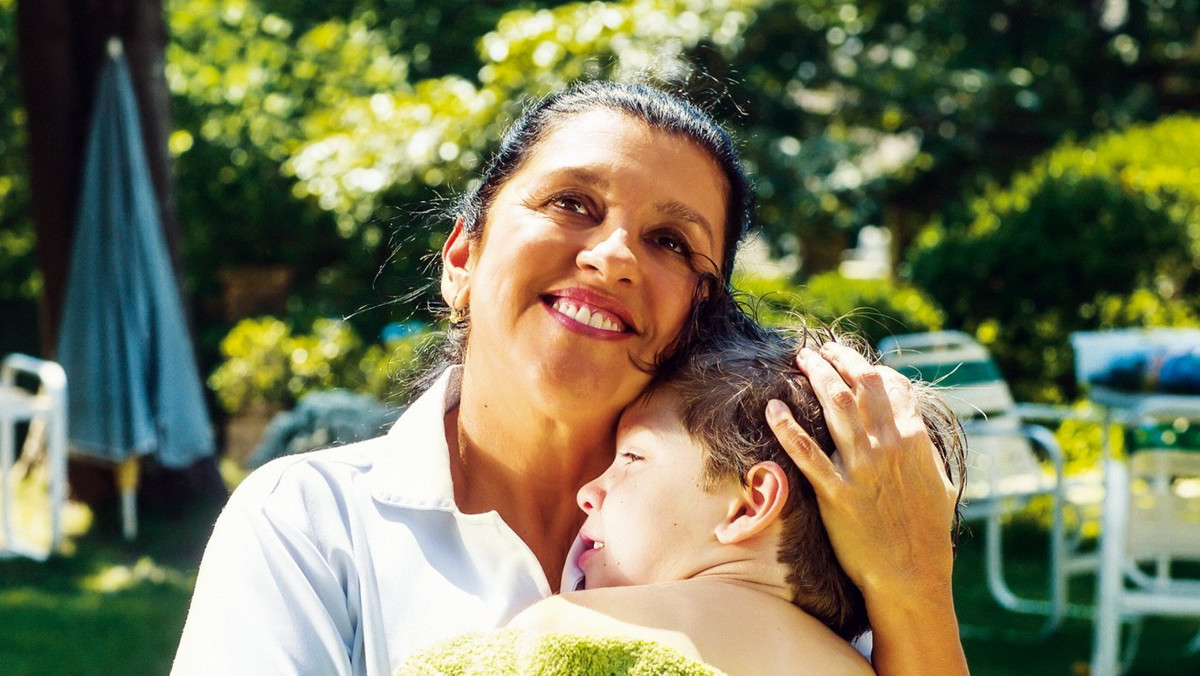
pixel 104 604
pixel 117 578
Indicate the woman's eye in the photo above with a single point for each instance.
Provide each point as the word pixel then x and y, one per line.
pixel 672 242
pixel 629 457
pixel 571 204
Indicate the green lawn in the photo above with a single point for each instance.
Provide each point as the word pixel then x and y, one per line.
pixel 998 642
pixel 117 608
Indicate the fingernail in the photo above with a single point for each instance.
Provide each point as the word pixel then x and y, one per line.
pixel 776 408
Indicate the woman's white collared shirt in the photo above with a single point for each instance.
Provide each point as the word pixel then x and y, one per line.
pixel 344 561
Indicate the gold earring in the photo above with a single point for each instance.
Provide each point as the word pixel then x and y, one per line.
pixel 458 315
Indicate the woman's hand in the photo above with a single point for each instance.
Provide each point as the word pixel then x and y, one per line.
pixel 887 504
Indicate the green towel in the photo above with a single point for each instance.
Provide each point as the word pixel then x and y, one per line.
pixel 515 651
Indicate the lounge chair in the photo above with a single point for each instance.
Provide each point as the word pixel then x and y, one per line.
pixel 1010 460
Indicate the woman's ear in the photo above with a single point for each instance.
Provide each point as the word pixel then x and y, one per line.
pixel 457 262
pixel 760 502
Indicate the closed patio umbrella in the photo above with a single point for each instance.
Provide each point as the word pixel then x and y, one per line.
pixel 134 386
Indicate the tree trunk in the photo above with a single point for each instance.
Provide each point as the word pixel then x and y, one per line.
pixel 61 48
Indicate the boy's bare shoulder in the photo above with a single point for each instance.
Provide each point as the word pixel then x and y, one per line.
pixel 734 630
pixel 602 612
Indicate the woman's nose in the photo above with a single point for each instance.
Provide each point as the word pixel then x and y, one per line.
pixel 611 257
pixel 590 496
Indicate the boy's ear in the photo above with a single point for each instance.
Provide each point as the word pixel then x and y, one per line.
pixel 457 263
pixel 760 503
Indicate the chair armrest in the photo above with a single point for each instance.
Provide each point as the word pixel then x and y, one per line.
pixel 1056 413
pixel 1045 441
pixel 50 374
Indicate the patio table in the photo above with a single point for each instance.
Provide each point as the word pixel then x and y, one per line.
pixel 1156 593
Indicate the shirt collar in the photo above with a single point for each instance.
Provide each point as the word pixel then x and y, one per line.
pixel 414 470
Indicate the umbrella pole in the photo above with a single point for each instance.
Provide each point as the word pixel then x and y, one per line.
pixel 127 483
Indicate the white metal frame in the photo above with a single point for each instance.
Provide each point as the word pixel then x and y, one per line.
pixel 1148 518
pixel 48 405
pixel 992 419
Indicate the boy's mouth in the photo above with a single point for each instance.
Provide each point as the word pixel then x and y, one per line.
pixel 590 547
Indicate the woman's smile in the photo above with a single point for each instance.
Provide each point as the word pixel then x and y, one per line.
pixel 591 313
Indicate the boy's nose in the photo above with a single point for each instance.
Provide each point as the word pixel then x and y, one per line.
pixel 590 496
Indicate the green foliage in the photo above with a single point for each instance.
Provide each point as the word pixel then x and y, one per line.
pixel 883 112
pixel 1097 235
pixel 266 364
pixel 18 276
pixel 872 308
pixel 437 131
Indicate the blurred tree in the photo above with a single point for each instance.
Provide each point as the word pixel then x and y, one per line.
pixel 1103 234
pixel 855 113
pixel 879 112
pixel 18 278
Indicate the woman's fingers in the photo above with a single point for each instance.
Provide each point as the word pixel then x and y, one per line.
pixel 883 497
pixel 867 381
pixel 838 402
pixel 802 449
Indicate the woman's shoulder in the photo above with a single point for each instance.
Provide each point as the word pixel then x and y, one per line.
pixel 329 466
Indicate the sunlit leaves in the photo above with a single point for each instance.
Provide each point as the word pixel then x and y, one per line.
pixel 1100 234
pixel 438 130
pixel 18 276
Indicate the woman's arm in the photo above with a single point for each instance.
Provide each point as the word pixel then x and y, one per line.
pixel 887 504
pixel 265 601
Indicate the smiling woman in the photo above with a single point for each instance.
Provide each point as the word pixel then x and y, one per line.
pixel 592 224
pixel 608 215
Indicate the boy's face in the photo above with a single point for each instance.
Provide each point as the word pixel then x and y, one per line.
pixel 649 517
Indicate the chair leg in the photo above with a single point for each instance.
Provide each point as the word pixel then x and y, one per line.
pixel 6 487
pixel 1055 606
pixel 1110 581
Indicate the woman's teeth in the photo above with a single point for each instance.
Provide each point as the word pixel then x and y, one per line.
pixel 581 314
pixel 597 545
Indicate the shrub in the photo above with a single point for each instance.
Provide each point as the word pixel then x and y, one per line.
pixel 263 362
pixel 872 308
pixel 1097 235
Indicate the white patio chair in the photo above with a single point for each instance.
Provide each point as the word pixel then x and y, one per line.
pixel 1009 461
pixel 1151 523
pixel 46 412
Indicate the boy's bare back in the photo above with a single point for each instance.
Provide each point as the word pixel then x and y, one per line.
pixel 726 623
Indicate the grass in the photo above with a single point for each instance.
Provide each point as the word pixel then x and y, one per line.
pixel 1001 643
pixel 115 607
pixel 110 607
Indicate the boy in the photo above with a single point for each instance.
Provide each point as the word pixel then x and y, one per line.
pixel 703 536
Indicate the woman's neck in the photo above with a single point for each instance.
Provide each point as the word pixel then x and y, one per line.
pixel 525 464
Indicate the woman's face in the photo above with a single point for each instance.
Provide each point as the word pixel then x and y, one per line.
pixel 589 260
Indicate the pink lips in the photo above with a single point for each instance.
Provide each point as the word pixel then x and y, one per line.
pixel 588 551
pixel 598 304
